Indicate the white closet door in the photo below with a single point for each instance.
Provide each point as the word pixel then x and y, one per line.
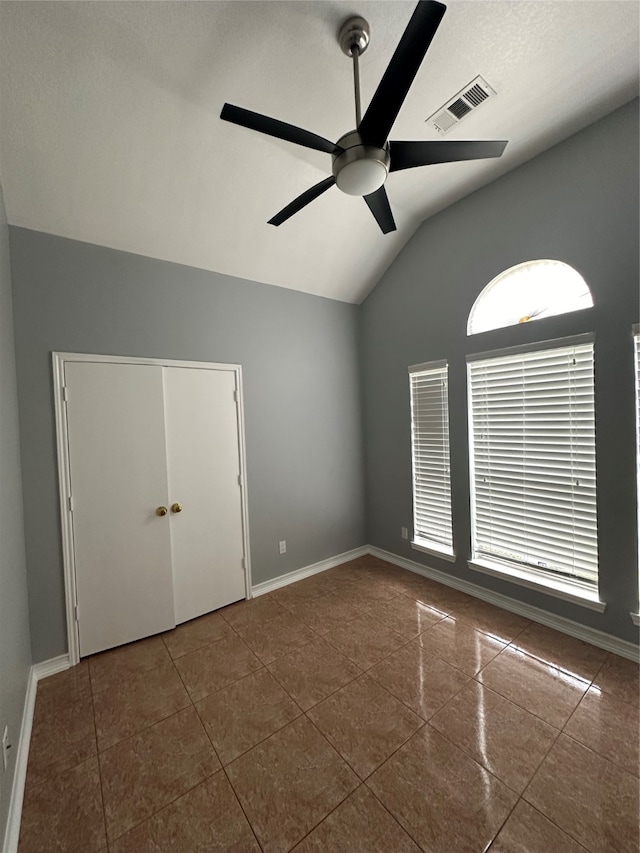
pixel 203 459
pixel 118 479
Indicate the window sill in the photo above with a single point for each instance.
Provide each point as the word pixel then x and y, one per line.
pixel 635 618
pixel 433 549
pixel 557 588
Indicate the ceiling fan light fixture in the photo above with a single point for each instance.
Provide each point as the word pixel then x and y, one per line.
pixel 359 169
pixel 361 177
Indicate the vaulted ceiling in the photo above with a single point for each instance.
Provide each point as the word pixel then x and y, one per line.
pixel 110 130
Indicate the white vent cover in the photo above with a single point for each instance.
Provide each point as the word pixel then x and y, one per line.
pixel 474 93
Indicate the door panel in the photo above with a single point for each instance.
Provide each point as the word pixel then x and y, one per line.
pixel 118 478
pixel 203 460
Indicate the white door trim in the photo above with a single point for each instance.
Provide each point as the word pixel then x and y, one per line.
pixel 64 480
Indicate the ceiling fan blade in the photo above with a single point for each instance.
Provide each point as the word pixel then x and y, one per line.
pixel 302 201
pixel 397 79
pixel 407 155
pixel 279 129
pixel 379 205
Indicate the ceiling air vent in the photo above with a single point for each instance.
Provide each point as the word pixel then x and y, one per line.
pixel 467 100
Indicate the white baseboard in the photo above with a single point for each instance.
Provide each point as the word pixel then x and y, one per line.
pixel 567 626
pixel 37 671
pixel 307 571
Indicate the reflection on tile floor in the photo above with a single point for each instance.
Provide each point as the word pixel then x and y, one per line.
pixel 362 710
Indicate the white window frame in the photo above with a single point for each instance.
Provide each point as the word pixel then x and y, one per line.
pixel 434 473
pixel 580 591
pixel 636 361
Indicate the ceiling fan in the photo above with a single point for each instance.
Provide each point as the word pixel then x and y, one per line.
pixel 363 158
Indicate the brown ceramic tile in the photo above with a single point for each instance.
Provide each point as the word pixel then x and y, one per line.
pixel 365 641
pixel 441 597
pixel 545 691
pixel 504 738
pixel 609 727
pixel 137 703
pixel 325 612
pixel 324 582
pixel 195 634
pixel 352 596
pixel 251 612
pixel 337 580
pixel 406 615
pixel 461 645
pixel 313 672
pixel 65 816
pixel 64 688
pixel 61 737
pixel 146 772
pixel 276 637
pixel 215 666
pixel 207 818
pixel 295 593
pixel 495 621
pixel 591 799
pixel 372 590
pixel 528 831
pixel 401 581
pixel 420 587
pixel 567 653
pixel 364 723
pixel 619 677
pixel 443 799
pixel 241 715
pixel 289 783
pixel 418 678
pixel 359 825
pixel 108 669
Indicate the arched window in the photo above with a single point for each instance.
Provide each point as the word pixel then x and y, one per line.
pixel 532 438
pixel 529 291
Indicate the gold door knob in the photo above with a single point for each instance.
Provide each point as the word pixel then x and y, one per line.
pixel 176 507
pixel 162 510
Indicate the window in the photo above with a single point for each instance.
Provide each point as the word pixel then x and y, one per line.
pixel 526 292
pixel 533 471
pixel 430 457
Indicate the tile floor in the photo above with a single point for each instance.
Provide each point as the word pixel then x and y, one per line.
pixel 364 709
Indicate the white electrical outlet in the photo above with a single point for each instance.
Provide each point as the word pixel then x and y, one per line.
pixel 283 546
pixel 5 747
pixel 404 533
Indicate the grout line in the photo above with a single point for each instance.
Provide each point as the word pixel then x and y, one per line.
pixel 163 807
pixel 239 801
pixel 95 733
pixel 553 823
pixel 391 814
pixel 257 743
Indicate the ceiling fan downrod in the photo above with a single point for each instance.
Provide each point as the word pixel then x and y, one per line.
pixel 354 38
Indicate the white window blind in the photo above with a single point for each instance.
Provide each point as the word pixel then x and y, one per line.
pixel 533 466
pixel 430 455
pixel 636 340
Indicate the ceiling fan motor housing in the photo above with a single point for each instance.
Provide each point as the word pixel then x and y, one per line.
pixel 360 169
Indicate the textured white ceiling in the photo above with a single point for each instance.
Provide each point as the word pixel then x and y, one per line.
pixel 110 129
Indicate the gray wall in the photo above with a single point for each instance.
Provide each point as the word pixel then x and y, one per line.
pixel 15 653
pixel 577 203
pixel 301 391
